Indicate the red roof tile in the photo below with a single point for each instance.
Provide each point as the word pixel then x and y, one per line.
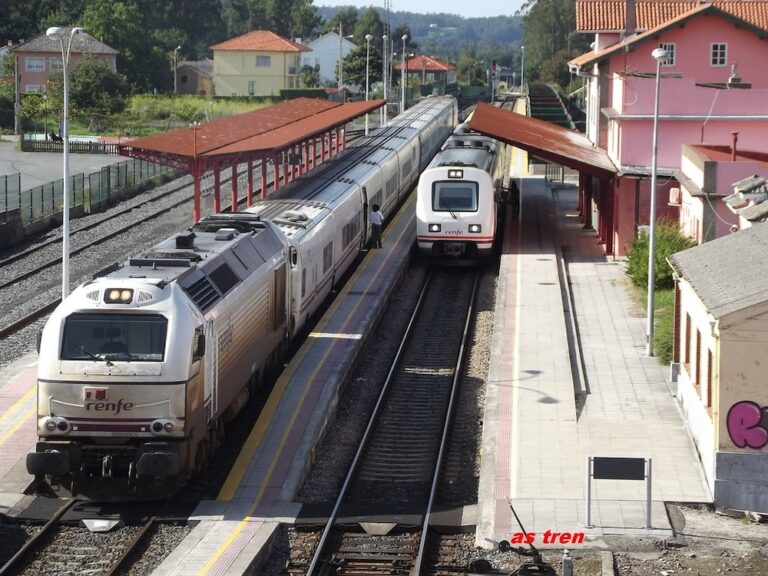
pixel 261 41
pixel 591 57
pixel 285 136
pixel 544 139
pixel 609 15
pixel 425 63
pixel 212 136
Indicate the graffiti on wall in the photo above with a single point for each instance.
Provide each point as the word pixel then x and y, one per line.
pixel 748 424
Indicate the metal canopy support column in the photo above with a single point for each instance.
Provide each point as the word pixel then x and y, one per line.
pixel 249 191
pixel 197 175
pixel 263 191
pixel 314 152
pixel 335 142
pixel 286 167
pixel 324 151
pixel 216 191
pixel 305 151
pixel 276 177
pixel 343 132
pixel 234 188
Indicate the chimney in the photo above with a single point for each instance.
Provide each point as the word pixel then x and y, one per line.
pixel 630 22
pixel 733 146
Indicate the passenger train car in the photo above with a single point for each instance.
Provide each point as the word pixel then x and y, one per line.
pixel 458 195
pixel 141 367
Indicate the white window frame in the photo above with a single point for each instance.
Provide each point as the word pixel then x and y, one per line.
pixel 671 59
pixel 37 60
pixel 718 54
pixel 55 63
pixel 263 61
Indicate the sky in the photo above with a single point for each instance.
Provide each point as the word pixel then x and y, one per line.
pixel 476 9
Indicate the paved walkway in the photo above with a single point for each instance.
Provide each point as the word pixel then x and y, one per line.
pixel 537 439
pixel 38 168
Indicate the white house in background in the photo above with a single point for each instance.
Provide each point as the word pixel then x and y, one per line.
pixel 325 54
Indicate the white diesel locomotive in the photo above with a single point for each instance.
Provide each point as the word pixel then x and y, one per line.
pixel 141 367
pixel 458 196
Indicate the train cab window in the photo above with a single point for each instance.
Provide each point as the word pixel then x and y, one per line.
pixel 456 196
pixel 129 337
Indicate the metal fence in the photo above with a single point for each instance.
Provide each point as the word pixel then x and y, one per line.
pixel 75 147
pixel 10 188
pixel 92 192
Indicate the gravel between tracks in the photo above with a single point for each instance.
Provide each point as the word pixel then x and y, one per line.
pixel 22 298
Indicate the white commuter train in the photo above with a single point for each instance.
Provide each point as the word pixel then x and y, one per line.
pixel 140 367
pixel 458 196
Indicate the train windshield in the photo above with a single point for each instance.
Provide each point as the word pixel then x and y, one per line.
pixel 454 196
pixel 128 337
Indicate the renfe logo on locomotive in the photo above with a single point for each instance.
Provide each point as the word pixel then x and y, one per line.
pixel 114 407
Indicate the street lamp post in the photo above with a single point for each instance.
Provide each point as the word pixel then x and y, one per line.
pixel 368 38
pixel 384 113
pixel 60 32
pixel 522 70
pixel 658 54
pixel 403 76
pixel 341 62
pixel 175 65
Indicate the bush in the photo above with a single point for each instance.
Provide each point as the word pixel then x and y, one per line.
pixel 669 240
pixel 664 325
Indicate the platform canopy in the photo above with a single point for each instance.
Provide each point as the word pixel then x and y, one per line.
pixel 543 139
pixel 243 137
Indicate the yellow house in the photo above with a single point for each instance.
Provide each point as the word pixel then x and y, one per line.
pixel 721 350
pixel 259 63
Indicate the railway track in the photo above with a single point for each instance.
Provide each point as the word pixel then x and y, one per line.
pixel 397 466
pixel 64 546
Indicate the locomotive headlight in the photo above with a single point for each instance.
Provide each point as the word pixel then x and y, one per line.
pixel 455 173
pixel 162 427
pixel 54 425
pixel 434 227
pixel 118 295
pixel 475 228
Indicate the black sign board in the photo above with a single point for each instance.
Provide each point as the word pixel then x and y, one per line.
pixel 618 468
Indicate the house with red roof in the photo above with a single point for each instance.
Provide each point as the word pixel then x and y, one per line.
pixel 712 84
pixel 38 58
pixel 259 63
pixel 425 70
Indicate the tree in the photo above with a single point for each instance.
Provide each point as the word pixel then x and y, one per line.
pixel 549 30
pixel 119 25
pixel 354 66
pixel 95 88
pixel 310 76
pixel 370 23
pixel 348 18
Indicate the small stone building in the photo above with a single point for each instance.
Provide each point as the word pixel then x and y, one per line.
pixel 721 351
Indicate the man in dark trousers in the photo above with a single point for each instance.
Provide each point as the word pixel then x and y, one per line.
pixel 376 219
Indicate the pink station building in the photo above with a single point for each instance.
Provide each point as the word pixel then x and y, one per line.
pixel 712 112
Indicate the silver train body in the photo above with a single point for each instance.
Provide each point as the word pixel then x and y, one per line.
pixel 141 367
pixel 458 196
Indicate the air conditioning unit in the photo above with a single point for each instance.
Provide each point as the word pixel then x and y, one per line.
pixel 675 198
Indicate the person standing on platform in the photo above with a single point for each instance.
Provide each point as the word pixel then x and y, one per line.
pixel 376 219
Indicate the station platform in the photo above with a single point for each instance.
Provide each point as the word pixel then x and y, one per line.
pixel 18 411
pixel 537 437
